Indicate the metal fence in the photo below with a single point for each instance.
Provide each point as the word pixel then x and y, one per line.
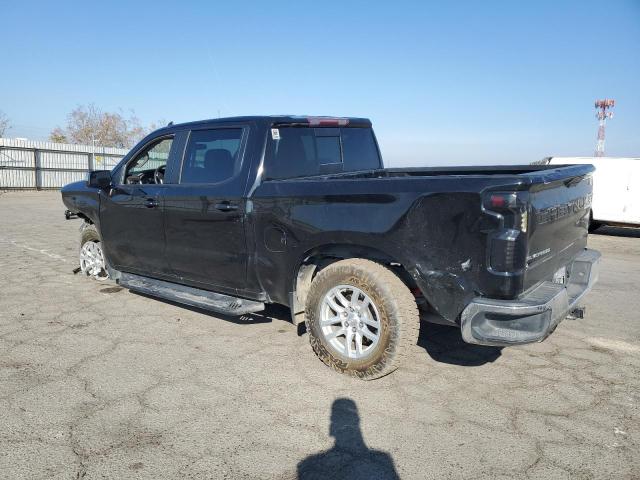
pixel 46 165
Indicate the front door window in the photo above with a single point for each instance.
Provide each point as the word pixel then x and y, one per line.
pixel 149 166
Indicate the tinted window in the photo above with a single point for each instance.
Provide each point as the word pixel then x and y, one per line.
pixel 359 149
pixel 303 151
pixel 293 153
pixel 212 156
pixel 328 150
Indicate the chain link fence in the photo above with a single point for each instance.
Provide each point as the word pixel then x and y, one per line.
pixel 26 165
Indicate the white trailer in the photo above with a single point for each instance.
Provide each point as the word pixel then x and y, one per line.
pixel 616 188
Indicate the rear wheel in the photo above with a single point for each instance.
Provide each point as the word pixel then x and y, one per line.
pixel 361 318
pixel 91 257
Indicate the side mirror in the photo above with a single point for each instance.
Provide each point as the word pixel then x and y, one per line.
pixel 100 179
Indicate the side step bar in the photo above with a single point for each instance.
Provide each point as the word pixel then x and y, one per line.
pixel 216 302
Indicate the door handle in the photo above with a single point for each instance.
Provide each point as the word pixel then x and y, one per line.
pixel 226 206
pixel 151 203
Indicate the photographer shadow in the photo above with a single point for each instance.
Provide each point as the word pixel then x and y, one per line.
pixel 350 458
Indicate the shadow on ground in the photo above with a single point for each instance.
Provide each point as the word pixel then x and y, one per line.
pixel 349 458
pixel 444 344
pixel 617 232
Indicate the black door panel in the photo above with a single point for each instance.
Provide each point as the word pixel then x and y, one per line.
pixel 131 213
pixel 206 244
pixel 205 212
pixel 132 226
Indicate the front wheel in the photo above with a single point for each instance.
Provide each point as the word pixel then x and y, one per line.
pixel 91 257
pixel 361 318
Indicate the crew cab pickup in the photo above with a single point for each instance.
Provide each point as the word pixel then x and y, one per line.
pixel 231 214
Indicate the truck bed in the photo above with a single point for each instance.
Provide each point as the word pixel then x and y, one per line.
pixel 531 173
pixel 432 221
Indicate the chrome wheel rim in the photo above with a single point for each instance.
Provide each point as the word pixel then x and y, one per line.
pixel 92 261
pixel 350 322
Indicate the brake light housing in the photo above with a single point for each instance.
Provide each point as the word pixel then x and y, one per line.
pixel 508 243
pixel 327 122
pixel 502 200
pixel 512 207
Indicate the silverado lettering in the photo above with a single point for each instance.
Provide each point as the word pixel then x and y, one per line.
pixel 557 212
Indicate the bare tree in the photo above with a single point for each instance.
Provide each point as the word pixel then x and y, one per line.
pixel 89 125
pixel 4 123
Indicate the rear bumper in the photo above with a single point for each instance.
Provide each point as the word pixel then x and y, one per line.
pixel 534 316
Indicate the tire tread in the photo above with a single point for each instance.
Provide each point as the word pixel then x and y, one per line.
pixel 398 301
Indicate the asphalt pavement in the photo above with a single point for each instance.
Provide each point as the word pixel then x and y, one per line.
pixel 99 382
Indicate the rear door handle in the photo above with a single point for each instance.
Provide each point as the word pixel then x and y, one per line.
pixel 226 206
pixel 151 203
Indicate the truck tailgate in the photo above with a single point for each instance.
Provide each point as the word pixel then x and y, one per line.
pixel 558 222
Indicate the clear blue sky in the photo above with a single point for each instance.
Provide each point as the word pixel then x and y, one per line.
pixel 444 82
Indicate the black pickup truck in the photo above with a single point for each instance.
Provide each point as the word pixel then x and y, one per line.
pixel 234 213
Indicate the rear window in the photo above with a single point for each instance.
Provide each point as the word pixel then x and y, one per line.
pixel 359 150
pixel 212 156
pixel 302 151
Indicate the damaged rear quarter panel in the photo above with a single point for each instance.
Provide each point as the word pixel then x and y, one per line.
pixel 429 225
pixel 446 248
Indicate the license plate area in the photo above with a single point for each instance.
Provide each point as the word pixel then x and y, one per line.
pixel 560 276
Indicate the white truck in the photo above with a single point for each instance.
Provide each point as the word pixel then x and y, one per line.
pixel 616 189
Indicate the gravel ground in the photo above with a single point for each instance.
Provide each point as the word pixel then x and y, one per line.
pixel 99 382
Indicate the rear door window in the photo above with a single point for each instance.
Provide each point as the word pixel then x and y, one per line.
pixel 212 156
pixel 303 151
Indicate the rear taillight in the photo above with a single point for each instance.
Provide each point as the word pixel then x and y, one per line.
pixel 511 206
pixel 524 221
pixel 507 244
pixel 502 200
pixel 507 253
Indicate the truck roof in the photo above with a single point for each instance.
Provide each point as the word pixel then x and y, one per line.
pixel 589 159
pixel 310 120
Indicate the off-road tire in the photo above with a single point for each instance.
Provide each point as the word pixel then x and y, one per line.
pixel 90 234
pixel 399 318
